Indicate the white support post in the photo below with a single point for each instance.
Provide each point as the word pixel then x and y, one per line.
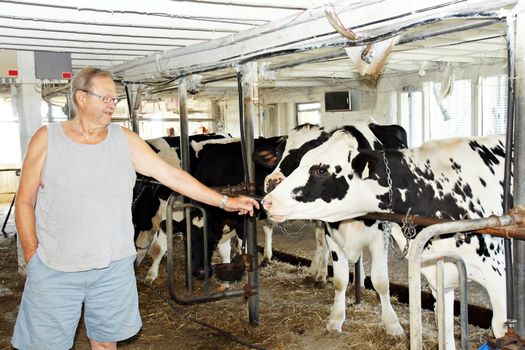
pixel 28 99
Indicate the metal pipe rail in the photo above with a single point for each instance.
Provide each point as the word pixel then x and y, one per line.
pixel 414 268
pixel 171 283
pixel 17 170
pixel 515 229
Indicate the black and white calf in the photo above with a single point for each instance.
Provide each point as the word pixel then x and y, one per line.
pixel 450 179
pixel 347 239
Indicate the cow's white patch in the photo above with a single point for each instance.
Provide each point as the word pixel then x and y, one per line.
pixel 366 172
pixel 198 146
pixel 166 152
pixel 199 222
pixel 403 193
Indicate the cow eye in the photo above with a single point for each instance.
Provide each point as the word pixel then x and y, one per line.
pixel 319 170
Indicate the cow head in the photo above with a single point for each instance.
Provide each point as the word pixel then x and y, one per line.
pixel 291 149
pixel 332 182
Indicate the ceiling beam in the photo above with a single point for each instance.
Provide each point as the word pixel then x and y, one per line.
pixel 288 32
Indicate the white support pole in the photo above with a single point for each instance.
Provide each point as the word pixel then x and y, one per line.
pixel 28 99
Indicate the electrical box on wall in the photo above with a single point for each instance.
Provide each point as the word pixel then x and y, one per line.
pixel 53 65
pixel 335 101
pixel 8 64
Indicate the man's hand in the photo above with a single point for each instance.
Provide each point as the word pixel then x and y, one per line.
pixel 244 205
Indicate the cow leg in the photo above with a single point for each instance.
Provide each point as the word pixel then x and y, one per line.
pixel 380 280
pixel 224 246
pixel 157 251
pixel 498 300
pixel 340 281
pixel 268 233
pixel 496 288
pixel 143 243
pixel 319 267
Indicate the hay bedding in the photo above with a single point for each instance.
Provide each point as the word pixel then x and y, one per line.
pixel 292 316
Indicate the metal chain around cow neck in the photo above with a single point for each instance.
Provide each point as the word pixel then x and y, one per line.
pixel 408 229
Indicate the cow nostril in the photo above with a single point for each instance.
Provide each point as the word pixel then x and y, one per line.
pixel 266 203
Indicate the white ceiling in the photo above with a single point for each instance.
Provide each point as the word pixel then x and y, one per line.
pixel 122 35
pixel 108 33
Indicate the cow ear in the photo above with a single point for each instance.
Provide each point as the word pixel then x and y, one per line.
pixel 266 156
pixel 390 136
pixel 364 164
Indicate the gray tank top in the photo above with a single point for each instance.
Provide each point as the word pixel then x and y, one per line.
pixel 83 208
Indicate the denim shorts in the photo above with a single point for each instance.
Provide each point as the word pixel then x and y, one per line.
pixel 52 303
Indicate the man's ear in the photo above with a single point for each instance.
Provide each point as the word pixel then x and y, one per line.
pixel 365 164
pixel 80 96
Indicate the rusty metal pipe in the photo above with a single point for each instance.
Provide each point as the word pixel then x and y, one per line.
pixel 513 231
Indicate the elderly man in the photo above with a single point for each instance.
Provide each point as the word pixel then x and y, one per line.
pixel 73 215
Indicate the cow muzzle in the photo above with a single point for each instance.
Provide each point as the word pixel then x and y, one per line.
pixel 266 203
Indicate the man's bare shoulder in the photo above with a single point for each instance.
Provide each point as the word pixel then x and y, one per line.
pixel 136 143
pixel 130 134
pixel 39 139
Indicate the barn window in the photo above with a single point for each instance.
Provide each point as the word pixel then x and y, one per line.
pixel 493 105
pixel 450 109
pixel 412 115
pixel 308 113
pixel 9 135
pixel 52 112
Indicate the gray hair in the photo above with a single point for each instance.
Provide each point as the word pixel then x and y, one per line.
pixel 83 80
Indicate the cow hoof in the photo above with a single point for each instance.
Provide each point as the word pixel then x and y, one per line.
pixel 319 285
pixel 309 281
pixel 395 330
pixel 265 263
pixel 150 279
pixel 334 328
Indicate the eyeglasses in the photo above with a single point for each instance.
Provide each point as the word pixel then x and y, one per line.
pixel 105 99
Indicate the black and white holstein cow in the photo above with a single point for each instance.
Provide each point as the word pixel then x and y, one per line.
pixel 222 166
pixel 350 237
pixel 218 164
pixel 149 200
pixel 449 179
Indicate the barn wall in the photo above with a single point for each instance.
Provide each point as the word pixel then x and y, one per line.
pixel 364 101
pixel 277 109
